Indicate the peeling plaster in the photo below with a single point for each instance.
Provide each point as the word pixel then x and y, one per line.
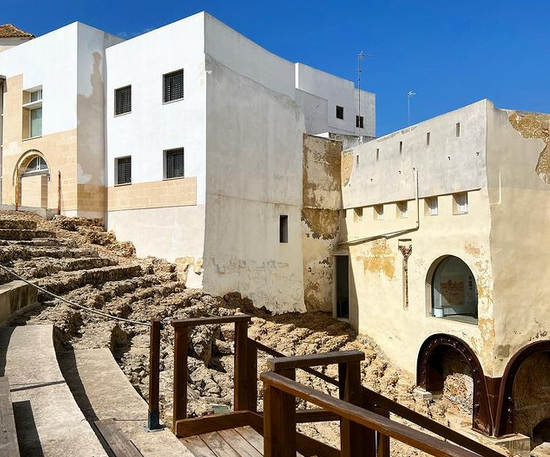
pixel 380 260
pixel 323 223
pixel 535 126
pixel 347 167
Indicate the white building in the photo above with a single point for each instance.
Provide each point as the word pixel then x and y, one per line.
pixel 190 146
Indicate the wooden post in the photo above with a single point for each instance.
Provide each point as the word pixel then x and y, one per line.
pixel 241 387
pixel 355 440
pixel 154 376
pixel 252 375
pixel 181 343
pixel 279 421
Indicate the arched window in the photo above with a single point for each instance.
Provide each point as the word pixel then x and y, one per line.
pixel 454 290
pixel 36 166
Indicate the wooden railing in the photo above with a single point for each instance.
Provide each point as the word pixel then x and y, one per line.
pixel 365 426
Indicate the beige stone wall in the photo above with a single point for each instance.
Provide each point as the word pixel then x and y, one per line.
pixel 58 149
pixel 157 194
pixel 519 172
pixel 320 219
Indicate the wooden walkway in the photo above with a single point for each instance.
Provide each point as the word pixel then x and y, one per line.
pixel 235 442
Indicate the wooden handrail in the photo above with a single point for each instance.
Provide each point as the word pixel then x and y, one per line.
pixel 375 400
pixel 365 418
pixel 314 360
pixel 194 321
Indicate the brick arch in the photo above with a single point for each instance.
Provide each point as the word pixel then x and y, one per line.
pixel 19 169
pixel 504 419
pixel 432 352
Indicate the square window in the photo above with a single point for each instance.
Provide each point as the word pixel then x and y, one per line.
pixel 173 86
pixel 283 228
pixel 379 212
pixel 173 163
pixel 36 95
pixel 123 170
pixel 359 121
pixel 460 203
pixel 357 214
pixel 123 100
pixel 432 208
pixel 339 112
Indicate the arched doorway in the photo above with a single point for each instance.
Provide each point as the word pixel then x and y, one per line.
pixel 31 181
pixel 442 355
pixel 524 397
pixel 451 290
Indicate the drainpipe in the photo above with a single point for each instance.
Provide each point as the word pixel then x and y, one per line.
pixel 395 232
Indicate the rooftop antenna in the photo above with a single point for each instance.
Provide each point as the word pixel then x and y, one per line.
pixel 410 94
pixel 360 56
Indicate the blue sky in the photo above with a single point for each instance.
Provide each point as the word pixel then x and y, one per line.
pixel 450 53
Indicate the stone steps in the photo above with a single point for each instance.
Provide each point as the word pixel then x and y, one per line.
pixel 49 422
pixel 9 253
pixel 17 224
pixel 62 283
pixel 24 234
pixel 40 242
pixel 46 266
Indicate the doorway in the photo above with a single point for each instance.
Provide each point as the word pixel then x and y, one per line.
pixel 342 287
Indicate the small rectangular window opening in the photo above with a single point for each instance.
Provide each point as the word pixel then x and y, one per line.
pixel 172 86
pixel 402 208
pixel 339 112
pixel 123 100
pixel 283 228
pixel 400 147
pixel 358 214
pixel 461 203
pixel 457 127
pixel 379 212
pixel 428 139
pixel 377 153
pixel 123 170
pixel 357 159
pixel 432 208
pixel 359 122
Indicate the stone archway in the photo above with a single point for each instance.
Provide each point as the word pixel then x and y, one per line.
pixel 438 350
pixel 31 177
pixel 524 396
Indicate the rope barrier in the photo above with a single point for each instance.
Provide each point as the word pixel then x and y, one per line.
pixel 71 303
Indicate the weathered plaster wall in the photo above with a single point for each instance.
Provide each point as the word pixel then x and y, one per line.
pixel 254 175
pixel 520 203
pixel 322 200
pixel 449 164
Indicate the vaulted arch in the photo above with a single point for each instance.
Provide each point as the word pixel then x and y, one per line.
pixel 429 374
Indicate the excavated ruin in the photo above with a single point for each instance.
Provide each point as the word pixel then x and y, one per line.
pixel 89 266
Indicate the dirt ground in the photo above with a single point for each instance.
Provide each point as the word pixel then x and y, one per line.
pixel 159 295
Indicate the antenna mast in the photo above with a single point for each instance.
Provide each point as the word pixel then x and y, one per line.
pixel 360 57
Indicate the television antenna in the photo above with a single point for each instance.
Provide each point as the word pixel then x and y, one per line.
pixel 410 94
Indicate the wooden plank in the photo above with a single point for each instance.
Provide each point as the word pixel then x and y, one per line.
pixel 194 321
pixel 369 419
pixel 315 415
pixel 240 378
pixel 313 360
pixel 237 442
pixel 252 437
pixel 115 439
pixel 197 446
pixel 179 406
pixel 218 445
pixel 213 423
pixel 8 435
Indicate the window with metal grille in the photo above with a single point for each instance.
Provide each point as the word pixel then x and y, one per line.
pixel 123 170
pixel 173 163
pixel 359 122
pixel 339 112
pixel 173 86
pixel 123 100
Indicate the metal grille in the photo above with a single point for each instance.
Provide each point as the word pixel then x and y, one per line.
pixel 173 86
pixel 174 163
pixel 124 170
pixel 123 100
